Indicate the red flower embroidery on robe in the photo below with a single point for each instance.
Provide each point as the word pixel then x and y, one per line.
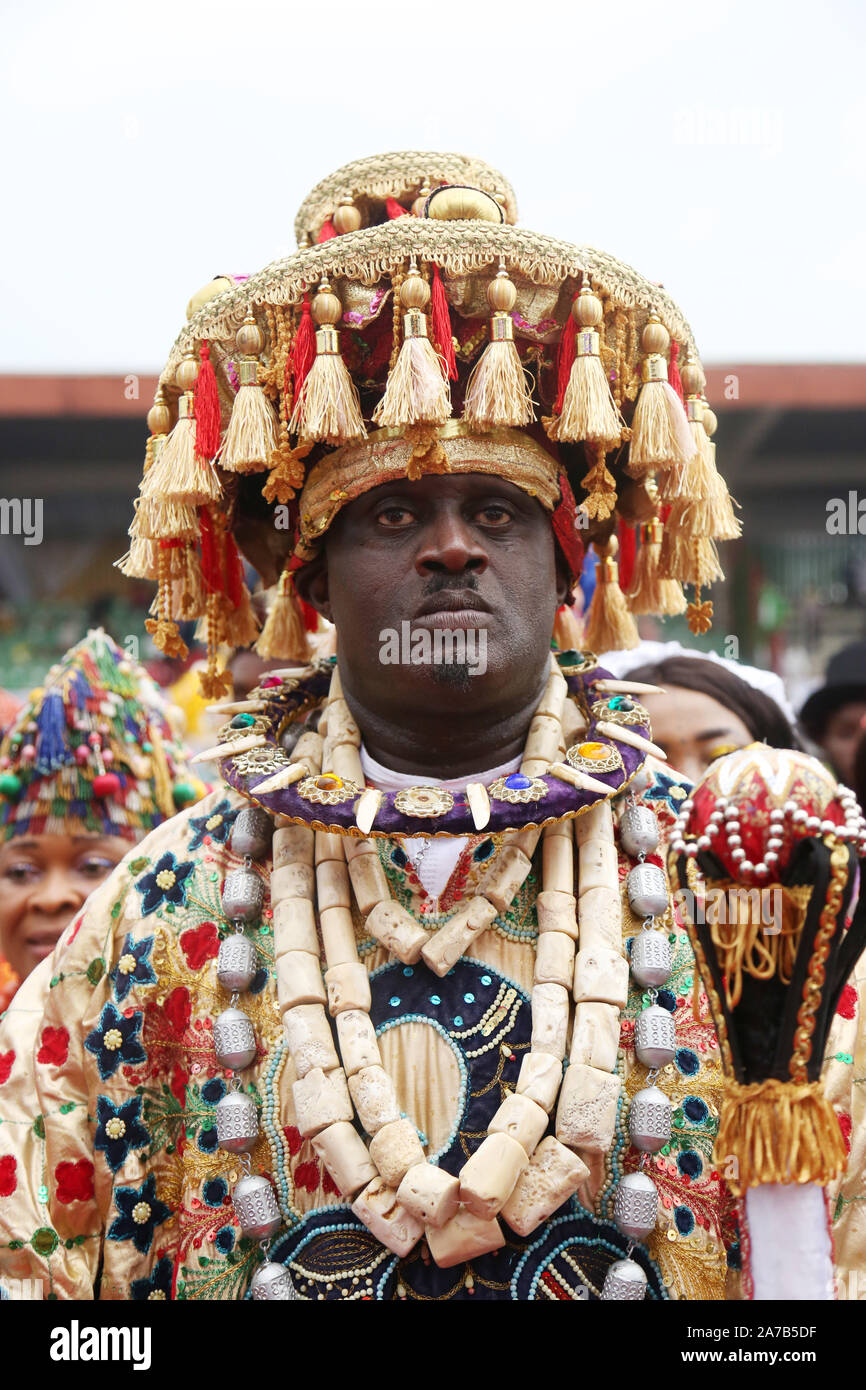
pixel 6 1060
pixel 199 944
pixel 54 1047
pixel 847 1005
pixel 74 1181
pixel 8 1178
pixel 177 1011
pixel 179 1079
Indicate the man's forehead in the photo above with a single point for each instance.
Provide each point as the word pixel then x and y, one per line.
pixel 435 485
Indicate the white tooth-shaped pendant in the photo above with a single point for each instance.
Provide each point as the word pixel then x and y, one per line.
pixel 229 750
pixel 479 803
pixel 612 687
pixel 581 780
pixel 622 735
pixel 284 778
pixel 367 809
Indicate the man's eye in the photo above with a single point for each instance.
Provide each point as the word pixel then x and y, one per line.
pixel 494 515
pixel 395 516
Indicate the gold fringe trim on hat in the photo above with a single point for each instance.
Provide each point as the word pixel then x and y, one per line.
pixel 777 1132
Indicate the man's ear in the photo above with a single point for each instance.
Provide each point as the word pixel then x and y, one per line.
pixel 311 584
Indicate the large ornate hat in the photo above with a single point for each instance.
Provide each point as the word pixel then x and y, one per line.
pixel 93 751
pixel 419 329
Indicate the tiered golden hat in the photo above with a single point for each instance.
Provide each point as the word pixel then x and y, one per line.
pixel 411 270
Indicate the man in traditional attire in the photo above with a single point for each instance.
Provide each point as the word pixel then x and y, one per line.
pixel 404 1009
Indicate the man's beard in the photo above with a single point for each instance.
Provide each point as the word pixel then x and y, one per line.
pixel 456 675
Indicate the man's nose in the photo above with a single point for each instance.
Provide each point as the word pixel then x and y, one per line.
pixel 450 545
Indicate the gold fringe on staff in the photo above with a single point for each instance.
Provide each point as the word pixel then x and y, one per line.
pixel 777 1131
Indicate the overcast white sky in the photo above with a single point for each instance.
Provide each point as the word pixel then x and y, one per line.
pixel 718 147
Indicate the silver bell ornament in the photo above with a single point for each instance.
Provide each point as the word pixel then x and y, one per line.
pixel 638 830
pixel 655 1037
pixel 256 1208
pixel 636 1206
pixel 647 890
pixel 237 1122
pixel 272 1282
pixel 649 1120
pixel 234 1039
pixel 625 1281
pixel 651 959
pixel 252 833
pixel 243 895
pixel 236 963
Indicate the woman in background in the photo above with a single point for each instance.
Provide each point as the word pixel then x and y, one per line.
pixel 710 708
pixel 90 764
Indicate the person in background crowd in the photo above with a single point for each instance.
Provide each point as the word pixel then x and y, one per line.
pixel 710 707
pixel 90 764
pixel 833 714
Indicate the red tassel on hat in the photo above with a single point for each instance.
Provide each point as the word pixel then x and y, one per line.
pixel 304 347
pixel 564 359
pixel 441 319
pixel 674 378
pixel 327 231
pixel 395 209
pixel 311 617
pixel 627 554
pixel 206 408
pixel 234 572
pixel 565 528
pixel 211 566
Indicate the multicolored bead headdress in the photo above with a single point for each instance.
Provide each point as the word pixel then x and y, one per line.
pixel 416 310
pixel 93 752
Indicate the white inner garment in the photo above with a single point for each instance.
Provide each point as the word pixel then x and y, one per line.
pixel 439 859
pixel 790 1242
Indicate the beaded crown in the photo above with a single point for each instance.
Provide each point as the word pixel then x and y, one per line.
pixel 417 310
pixel 93 751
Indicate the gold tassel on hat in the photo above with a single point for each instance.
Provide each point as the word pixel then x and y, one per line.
pixel 588 408
pixel 177 475
pixel 417 390
pixel 660 436
pixel 684 556
pixel 327 407
pixel 251 437
pixel 652 592
pixel 778 1132
pixel 727 526
pixel 498 391
pixel 609 624
pixel 163 628
pixel 566 630
pixel 284 637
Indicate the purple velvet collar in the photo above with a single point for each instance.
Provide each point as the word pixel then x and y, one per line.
pixel 560 801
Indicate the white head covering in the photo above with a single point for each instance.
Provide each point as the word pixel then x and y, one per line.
pixel 651 653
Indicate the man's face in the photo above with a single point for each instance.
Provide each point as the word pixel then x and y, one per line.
pixel 842 733
pixel 444 593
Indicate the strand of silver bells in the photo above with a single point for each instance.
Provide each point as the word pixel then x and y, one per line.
pixel 649 1122
pixel 237 1119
